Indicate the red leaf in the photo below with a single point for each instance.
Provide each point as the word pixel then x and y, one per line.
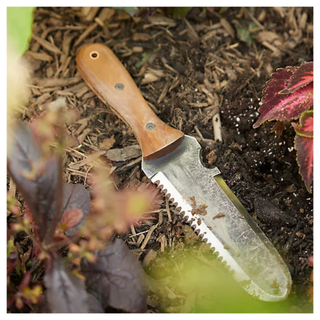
pixel 71 218
pixel 301 77
pixel 304 147
pixel 277 83
pixel 305 126
pixel 286 107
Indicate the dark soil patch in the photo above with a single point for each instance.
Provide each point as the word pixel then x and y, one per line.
pixel 199 71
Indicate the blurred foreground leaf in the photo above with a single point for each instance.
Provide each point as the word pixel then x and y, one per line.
pixel 190 280
pixel 116 278
pixel 19 27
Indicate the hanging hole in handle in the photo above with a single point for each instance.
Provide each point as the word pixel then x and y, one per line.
pixel 94 55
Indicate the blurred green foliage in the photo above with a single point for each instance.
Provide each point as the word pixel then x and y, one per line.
pixel 19 27
pixel 244 34
pixel 179 12
pixel 191 280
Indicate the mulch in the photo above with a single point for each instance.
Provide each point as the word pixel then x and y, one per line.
pixel 210 64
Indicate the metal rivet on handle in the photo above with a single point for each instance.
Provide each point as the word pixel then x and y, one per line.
pixel 119 86
pixel 150 126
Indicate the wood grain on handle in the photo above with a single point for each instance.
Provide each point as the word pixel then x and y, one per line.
pixel 111 82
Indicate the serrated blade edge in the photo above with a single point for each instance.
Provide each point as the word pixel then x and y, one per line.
pixel 203 231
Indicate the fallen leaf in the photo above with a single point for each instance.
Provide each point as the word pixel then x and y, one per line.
pixel 107 143
pixel 124 154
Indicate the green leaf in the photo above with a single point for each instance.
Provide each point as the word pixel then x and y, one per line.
pixel 244 34
pixel 19 27
pixel 131 11
pixel 179 12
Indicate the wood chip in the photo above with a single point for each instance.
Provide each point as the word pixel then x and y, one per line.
pixel 106 14
pixel 124 154
pixel 89 160
pixel 208 35
pixel 216 81
pixel 303 21
pixel 137 49
pixel 276 51
pixel 43 98
pixel 280 11
pixel 199 104
pixel 68 37
pixel 226 25
pixel 192 34
pixel 84 134
pixel 54 82
pixel 88 95
pixel 146 240
pixel 76 88
pixel 161 21
pixel 164 92
pixel 141 37
pixel 269 36
pixel 104 27
pixel 47 45
pixel 39 55
pixel 86 33
pixel 82 91
pixel 91 14
pixel 151 255
pixel 217 127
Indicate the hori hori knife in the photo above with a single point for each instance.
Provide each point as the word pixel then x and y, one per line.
pixel 172 161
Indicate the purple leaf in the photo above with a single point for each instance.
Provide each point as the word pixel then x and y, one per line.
pixel 65 292
pixel 75 196
pixel 94 304
pixel 116 278
pixel 35 176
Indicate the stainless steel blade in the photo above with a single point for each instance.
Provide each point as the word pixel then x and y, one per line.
pixel 233 234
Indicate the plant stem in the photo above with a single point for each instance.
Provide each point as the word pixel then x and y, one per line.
pixel 59 193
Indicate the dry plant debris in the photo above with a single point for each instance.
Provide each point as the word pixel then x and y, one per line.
pixel 191 72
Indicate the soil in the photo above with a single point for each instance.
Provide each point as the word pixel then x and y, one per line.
pixel 189 70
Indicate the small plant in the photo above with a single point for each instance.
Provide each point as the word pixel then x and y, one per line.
pixel 95 273
pixel 288 97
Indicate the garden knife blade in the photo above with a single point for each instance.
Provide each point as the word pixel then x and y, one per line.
pixel 172 161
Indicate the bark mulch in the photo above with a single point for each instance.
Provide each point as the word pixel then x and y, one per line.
pixel 211 64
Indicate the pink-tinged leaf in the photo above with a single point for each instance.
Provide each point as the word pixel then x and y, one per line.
pixel 301 77
pixel 116 278
pixel 75 196
pixel 277 83
pixel 305 126
pixel 65 292
pixel 71 218
pixel 304 147
pixel 286 107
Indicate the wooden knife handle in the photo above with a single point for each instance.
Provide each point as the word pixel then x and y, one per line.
pixel 111 82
